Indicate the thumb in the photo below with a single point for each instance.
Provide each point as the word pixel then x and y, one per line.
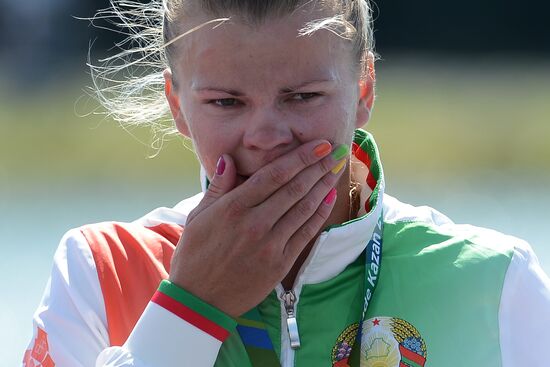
pixel 223 180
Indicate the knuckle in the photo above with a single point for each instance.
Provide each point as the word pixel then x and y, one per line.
pixel 191 216
pixel 328 180
pixel 326 165
pixel 254 181
pixel 235 208
pixel 256 230
pixel 307 232
pixel 193 213
pixel 296 188
pixel 306 207
pixel 278 175
pixel 322 215
pixel 304 157
pixel 215 189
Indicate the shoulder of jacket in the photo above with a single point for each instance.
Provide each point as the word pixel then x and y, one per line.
pixel 160 223
pixel 176 215
pixel 396 211
pixel 120 237
pixel 408 217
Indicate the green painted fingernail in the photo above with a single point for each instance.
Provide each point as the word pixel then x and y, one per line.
pixel 340 152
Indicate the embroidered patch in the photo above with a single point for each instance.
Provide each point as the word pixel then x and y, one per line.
pixel 344 345
pixel 39 355
pixel 391 342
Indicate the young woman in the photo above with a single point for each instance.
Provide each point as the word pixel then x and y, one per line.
pixel 293 255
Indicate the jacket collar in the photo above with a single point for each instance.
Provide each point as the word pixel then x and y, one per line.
pixel 340 245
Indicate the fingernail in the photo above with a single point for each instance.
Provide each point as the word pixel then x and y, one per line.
pixel 339 166
pixel 329 199
pixel 220 166
pixel 322 149
pixel 340 152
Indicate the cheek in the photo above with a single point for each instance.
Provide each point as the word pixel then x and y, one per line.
pixel 332 122
pixel 208 154
pixel 201 137
pixel 209 145
pixel 203 147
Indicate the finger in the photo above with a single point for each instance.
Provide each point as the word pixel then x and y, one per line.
pixel 223 181
pixel 317 179
pixel 272 176
pixel 304 209
pixel 307 231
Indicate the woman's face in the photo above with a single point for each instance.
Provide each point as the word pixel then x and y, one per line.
pixel 256 94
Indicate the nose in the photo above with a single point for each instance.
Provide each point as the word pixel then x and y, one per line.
pixel 267 129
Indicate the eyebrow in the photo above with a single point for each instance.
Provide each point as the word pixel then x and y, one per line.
pixel 238 93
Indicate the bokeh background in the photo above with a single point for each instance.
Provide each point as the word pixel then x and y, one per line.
pixel 462 119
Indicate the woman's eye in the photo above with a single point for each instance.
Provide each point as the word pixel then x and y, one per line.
pixel 304 97
pixel 224 102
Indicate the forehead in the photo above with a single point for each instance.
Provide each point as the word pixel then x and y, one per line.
pixel 266 53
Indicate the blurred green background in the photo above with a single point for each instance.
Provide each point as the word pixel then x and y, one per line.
pixel 464 131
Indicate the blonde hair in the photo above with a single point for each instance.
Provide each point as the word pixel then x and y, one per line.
pixel 130 84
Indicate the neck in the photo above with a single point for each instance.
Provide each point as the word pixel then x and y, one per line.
pixel 341 211
pixel 340 214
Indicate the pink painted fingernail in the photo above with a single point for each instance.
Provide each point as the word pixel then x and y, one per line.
pixel 331 196
pixel 220 166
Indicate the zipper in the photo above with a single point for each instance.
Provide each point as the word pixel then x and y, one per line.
pixel 290 338
pixel 289 299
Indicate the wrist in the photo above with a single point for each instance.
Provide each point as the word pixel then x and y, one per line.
pixel 194 310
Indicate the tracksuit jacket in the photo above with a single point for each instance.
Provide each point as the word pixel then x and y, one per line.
pixel 446 295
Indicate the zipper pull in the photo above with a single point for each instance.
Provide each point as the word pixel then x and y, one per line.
pixel 288 297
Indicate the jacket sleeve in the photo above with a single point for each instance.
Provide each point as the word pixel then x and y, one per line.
pixel 71 329
pixel 70 323
pixel 524 315
pixel 176 328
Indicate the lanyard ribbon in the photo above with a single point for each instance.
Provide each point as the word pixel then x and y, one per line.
pixel 253 331
pixel 373 254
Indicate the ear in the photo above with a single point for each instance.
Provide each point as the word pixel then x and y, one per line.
pixel 174 103
pixel 366 93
